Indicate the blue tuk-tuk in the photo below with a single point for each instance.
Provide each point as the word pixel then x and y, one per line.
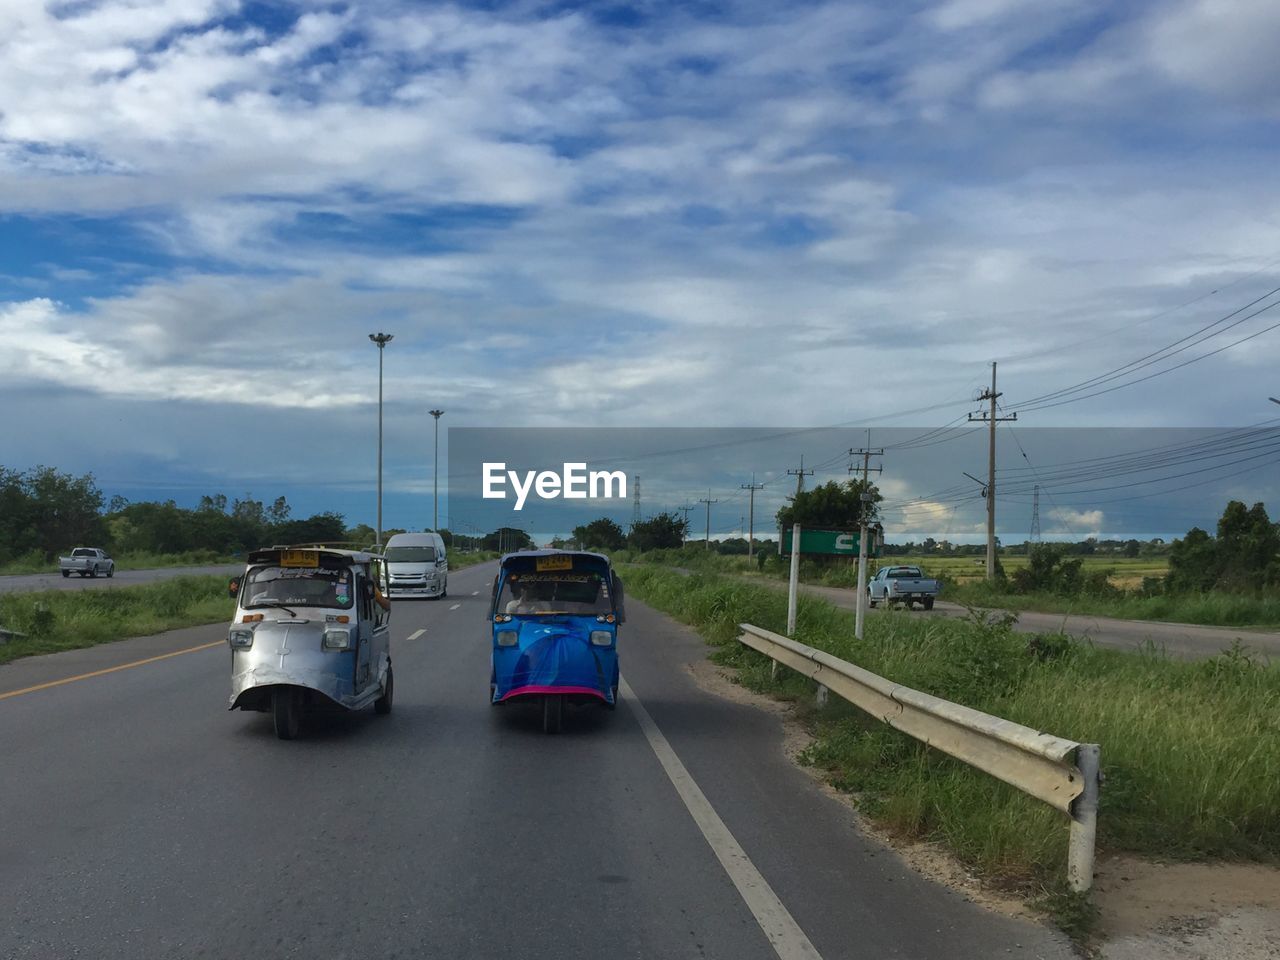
pixel 555 617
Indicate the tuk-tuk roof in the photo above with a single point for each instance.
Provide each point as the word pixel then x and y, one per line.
pixel 272 554
pixel 554 553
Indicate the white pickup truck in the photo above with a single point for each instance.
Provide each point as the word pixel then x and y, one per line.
pixel 906 585
pixel 88 562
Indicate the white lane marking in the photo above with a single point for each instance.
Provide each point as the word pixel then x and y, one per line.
pixel 475 593
pixel 455 606
pixel 417 633
pixel 788 940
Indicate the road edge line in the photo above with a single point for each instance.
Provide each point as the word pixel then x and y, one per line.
pixel 789 942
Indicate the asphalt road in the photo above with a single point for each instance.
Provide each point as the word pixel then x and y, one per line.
pixel 1182 640
pixel 145 820
pixel 26 583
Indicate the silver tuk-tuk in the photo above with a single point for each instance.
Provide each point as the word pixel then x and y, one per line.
pixel 312 626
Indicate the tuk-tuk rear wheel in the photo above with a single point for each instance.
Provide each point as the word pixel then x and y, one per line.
pixel 383 704
pixel 552 713
pixel 286 710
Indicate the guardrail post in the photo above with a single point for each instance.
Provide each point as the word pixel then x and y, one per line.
pixel 1084 820
pixel 820 698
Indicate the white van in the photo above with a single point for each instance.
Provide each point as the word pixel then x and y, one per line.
pixel 418 565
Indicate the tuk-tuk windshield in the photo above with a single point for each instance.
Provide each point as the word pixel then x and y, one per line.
pixel 546 594
pixel 298 587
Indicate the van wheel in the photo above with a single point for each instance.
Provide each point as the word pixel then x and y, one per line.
pixel 552 713
pixel 871 601
pixel 928 603
pixel 383 704
pixel 111 571
pixel 66 573
pixel 286 709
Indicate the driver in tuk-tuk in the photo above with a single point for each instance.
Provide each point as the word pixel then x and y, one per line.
pixel 527 598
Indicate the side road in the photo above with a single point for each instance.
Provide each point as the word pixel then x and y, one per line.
pixel 1184 640
pixel 32 582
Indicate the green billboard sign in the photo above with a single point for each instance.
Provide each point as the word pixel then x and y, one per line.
pixel 832 543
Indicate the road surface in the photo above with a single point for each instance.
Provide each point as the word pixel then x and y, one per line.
pixel 144 820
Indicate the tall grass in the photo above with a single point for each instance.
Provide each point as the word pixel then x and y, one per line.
pixel 1191 751
pixel 56 620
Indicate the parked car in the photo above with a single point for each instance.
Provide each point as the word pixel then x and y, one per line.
pixel 418 565
pixel 87 562
pixel 906 585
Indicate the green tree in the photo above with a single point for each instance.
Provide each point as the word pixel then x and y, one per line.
pixel 601 534
pixel 660 532
pixel 831 506
pixel 63 511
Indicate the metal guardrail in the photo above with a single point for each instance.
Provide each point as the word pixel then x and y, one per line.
pixel 1061 773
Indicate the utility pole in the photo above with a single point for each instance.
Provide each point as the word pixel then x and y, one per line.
pixel 751 514
pixel 991 419
pixel 708 501
pixel 435 476
pixel 860 601
pixel 685 511
pixel 381 339
pixel 635 512
pixel 800 474
pixel 1035 514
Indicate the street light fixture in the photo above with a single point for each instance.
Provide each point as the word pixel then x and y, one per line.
pixel 381 339
pixel 435 476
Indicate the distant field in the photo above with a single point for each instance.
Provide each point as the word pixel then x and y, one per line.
pixel 1127 573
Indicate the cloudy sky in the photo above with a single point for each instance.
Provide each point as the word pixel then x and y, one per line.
pixel 657 214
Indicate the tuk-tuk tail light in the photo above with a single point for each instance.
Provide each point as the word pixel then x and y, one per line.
pixel 502 618
pixel 605 618
pixel 601 638
pixel 337 639
pixel 507 638
pixel 252 618
pixel 240 639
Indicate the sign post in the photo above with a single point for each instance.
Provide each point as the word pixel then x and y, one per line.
pixel 860 601
pixel 794 585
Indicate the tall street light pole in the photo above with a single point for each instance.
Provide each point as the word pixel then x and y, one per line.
pixel 435 476
pixel 381 339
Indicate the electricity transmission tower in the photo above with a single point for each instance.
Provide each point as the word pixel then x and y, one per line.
pixel 1035 514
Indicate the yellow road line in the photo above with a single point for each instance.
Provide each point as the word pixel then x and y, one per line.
pixel 98 673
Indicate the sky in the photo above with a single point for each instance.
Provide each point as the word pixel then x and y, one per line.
pixel 624 215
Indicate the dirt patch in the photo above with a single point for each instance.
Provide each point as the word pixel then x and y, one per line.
pixel 1188 910
pixel 1148 910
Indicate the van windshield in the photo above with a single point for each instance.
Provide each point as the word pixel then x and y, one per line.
pixel 410 554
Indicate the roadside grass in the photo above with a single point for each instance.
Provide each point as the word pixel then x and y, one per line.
pixel 55 620
pixel 1190 750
